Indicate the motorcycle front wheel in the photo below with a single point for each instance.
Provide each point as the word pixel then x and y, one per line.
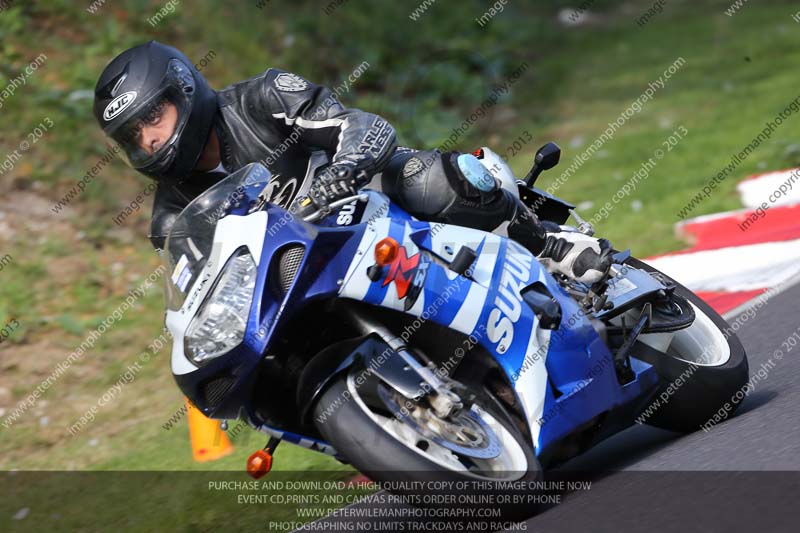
pixel 702 369
pixel 394 441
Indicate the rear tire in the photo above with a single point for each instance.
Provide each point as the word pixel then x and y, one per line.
pixel 700 393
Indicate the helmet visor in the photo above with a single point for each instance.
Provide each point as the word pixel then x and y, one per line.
pixel 156 126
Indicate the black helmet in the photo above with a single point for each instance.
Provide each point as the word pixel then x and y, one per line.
pixel 136 85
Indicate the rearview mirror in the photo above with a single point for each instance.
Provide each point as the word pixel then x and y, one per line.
pixel 546 158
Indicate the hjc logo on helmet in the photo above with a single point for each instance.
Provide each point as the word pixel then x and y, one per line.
pixel 118 105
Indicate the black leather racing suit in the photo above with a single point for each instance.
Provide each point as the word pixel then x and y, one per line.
pixel 286 123
pixel 279 119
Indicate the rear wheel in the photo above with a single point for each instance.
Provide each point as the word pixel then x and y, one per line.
pixel 369 426
pixel 701 369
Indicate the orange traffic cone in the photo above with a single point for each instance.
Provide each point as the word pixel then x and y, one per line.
pixel 209 442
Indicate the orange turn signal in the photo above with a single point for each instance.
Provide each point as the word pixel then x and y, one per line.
pixel 386 251
pixel 259 464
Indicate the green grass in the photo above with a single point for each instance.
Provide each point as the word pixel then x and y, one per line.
pixel 70 271
pixel 737 75
pixel 165 501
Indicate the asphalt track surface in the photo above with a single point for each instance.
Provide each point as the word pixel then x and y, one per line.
pixel 741 475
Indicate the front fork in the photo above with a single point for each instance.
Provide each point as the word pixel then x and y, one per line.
pixel 437 389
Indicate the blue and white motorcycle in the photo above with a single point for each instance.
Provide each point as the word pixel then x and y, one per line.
pixel 412 349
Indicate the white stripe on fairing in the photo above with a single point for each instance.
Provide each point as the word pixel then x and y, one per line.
pixel 487 261
pixel 271 432
pixel 531 384
pixel 356 284
pixel 305 443
pixel 737 268
pixel 754 191
pixel 456 236
pixel 470 311
pixel 407 242
pixel 450 274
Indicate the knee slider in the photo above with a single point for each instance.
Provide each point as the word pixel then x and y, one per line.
pixel 472 170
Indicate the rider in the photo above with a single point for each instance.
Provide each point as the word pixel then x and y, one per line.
pixel 175 129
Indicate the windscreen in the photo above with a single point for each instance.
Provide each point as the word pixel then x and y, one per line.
pixel 191 237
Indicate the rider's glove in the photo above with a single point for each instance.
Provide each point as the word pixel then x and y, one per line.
pixel 577 256
pixel 335 182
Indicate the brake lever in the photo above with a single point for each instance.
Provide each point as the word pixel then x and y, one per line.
pixel 583 226
pixel 324 211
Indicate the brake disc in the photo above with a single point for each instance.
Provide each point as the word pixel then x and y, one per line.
pixel 469 434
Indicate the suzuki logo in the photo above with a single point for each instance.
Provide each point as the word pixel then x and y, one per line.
pixel 508 302
pixel 118 105
pixel 345 217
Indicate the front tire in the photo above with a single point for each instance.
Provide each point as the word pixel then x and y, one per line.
pixel 700 386
pixel 388 450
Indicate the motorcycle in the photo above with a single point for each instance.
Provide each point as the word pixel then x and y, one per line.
pixel 413 350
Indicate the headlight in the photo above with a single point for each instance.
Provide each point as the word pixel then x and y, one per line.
pixel 221 322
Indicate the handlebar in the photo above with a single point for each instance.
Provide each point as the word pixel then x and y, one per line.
pixel 319 213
